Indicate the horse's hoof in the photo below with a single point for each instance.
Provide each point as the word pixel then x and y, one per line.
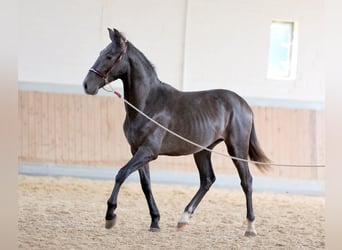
pixel 181 226
pixel 110 223
pixel 154 229
pixel 250 231
pixel 250 234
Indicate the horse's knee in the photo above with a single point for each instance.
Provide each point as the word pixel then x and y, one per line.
pixel 206 183
pixel 121 176
pixel 212 179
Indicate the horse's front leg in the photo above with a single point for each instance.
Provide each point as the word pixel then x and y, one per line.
pixel 145 181
pixel 139 160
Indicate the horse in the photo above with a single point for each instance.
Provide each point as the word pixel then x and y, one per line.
pixel 205 117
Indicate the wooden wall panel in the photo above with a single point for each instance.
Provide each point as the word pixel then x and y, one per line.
pixel 87 130
pixel 77 128
pixel 20 124
pixel 59 156
pixel 24 120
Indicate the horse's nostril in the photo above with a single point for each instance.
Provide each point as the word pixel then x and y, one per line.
pixel 85 86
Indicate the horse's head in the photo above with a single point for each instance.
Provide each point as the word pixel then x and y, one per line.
pixel 109 66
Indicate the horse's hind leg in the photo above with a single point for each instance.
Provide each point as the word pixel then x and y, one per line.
pixel 237 148
pixel 207 178
pixel 145 181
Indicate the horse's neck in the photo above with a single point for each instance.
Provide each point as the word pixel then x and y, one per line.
pixel 139 79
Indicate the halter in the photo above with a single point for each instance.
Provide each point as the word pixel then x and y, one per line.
pixel 104 76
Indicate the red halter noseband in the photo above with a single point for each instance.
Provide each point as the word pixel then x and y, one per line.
pixel 104 76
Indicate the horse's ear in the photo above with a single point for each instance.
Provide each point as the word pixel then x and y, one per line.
pixel 112 33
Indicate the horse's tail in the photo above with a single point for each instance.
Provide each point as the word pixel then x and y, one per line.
pixel 256 153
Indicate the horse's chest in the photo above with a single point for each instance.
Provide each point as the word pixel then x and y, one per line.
pixel 135 133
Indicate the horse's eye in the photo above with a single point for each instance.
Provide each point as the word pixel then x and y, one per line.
pixel 109 58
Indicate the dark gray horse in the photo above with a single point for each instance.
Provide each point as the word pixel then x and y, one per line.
pixel 205 117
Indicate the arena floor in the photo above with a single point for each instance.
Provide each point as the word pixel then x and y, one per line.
pixel 68 213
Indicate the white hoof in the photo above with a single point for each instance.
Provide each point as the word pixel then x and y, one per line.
pixel 181 226
pixel 183 221
pixel 250 231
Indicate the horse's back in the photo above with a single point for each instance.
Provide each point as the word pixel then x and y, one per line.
pixel 213 100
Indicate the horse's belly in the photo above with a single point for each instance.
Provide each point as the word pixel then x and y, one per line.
pixel 174 146
pixel 179 150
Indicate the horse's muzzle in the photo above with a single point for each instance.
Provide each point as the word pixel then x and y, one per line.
pixel 89 90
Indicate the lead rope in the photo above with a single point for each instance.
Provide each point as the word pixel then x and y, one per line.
pixel 202 147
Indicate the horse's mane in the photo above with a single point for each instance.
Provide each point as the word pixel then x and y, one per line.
pixel 139 58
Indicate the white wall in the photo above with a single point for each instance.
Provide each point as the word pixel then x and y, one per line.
pixel 227 47
pixel 155 27
pixel 194 44
pixel 58 39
